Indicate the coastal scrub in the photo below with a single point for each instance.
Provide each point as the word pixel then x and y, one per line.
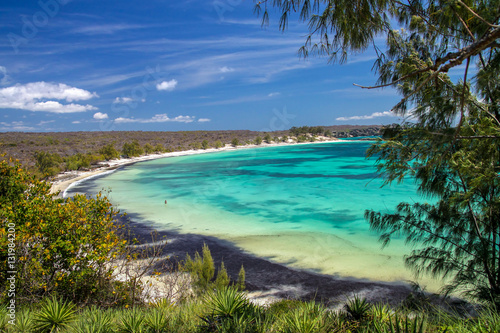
pixel 52 245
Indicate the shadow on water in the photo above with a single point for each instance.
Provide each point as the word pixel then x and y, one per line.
pixel 261 273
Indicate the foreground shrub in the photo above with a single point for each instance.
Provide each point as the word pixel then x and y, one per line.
pixel 228 310
pixel 231 311
pixel 358 308
pixel 307 318
pixel 227 302
pixel 157 320
pixel 93 320
pixel 24 322
pixel 132 321
pixel 55 246
pixel 404 324
pixel 3 318
pixel 202 271
pixel 54 316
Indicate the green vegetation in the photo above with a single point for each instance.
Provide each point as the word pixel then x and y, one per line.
pixel 451 147
pixel 297 131
pixel 258 140
pixel 54 316
pixel 235 142
pixel 48 163
pixel 195 145
pixel 159 148
pixel 228 310
pixel 202 271
pixel 149 149
pixel 109 152
pixel 62 246
pixel 132 149
pixel 303 138
pixel 81 161
pixel 205 145
pixel 240 283
pixel 268 138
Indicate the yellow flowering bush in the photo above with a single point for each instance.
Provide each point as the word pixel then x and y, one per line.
pixel 50 245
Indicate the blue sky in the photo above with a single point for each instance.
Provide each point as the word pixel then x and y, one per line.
pixel 88 65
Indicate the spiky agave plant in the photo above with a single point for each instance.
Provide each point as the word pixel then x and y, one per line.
pixel 161 303
pixel 94 320
pixel 307 318
pixel 24 322
pixel 157 320
pixel 4 320
pixel 358 308
pixel 54 315
pixel 488 321
pixel 132 321
pixel 380 312
pixel 229 310
pixel 227 302
pixel 407 325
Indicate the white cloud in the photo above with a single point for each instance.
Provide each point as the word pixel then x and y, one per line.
pixel 122 100
pixel 236 100
pixel 203 120
pixel 15 126
pixel 226 69
pixel 41 96
pixel 256 22
pixel 45 122
pixel 274 94
pixel 100 116
pixel 158 118
pixel 4 78
pixel 167 85
pixel 371 116
pixel 105 29
pixel 76 122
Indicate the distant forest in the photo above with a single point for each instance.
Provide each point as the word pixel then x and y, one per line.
pixel 53 152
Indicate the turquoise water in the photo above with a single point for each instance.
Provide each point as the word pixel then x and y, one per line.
pixel 300 205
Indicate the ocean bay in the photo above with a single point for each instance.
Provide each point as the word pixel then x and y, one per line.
pixel 299 205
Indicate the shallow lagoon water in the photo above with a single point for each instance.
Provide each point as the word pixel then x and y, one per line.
pixel 300 205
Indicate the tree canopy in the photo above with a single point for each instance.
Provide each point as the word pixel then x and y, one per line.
pixel 443 58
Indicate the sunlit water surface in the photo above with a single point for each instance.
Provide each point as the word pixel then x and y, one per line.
pixel 300 205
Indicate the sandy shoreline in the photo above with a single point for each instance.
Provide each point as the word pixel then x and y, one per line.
pixel 267 281
pixel 65 180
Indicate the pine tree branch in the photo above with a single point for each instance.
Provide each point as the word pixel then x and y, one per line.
pixel 438 237
pixel 456 58
pixel 479 234
pixel 443 65
pixel 476 15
